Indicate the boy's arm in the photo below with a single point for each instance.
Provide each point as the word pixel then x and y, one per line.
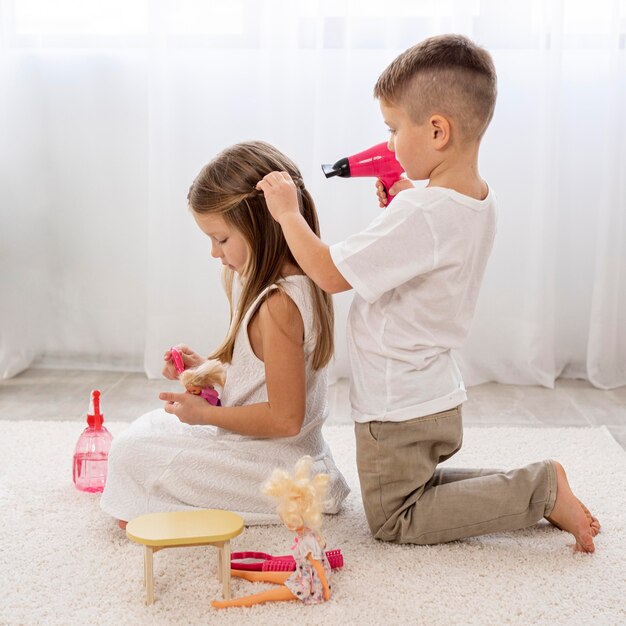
pixel 311 254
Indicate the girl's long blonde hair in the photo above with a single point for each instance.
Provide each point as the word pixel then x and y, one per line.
pixel 227 187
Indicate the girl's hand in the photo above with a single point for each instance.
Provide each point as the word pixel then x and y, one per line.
pixel 280 193
pixel 190 359
pixel 397 187
pixel 187 407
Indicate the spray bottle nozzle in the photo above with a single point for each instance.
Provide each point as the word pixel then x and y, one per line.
pixel 94 417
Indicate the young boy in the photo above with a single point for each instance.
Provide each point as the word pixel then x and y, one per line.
pixel 416 270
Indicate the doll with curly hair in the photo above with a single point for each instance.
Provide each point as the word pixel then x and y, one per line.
pixel 300 500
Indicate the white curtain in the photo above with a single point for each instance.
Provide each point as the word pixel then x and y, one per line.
pixel 109 108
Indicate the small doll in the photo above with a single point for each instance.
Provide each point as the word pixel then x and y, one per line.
pixel 300 498
pixel 200 381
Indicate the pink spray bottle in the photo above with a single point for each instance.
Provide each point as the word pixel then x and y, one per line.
pixel 377 161
pixel 92 451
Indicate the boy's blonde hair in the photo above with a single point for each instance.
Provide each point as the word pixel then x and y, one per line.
pixel 446 74
pixel 227 187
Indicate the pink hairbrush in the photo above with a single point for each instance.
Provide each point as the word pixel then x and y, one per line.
pixel 267 563
pixel 177 359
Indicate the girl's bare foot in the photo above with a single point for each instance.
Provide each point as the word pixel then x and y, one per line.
pixel 569 515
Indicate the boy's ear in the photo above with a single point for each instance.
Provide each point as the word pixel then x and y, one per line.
pixel 439 131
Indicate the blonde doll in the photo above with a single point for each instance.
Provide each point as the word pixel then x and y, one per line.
pixel 201 380
pixel 300 499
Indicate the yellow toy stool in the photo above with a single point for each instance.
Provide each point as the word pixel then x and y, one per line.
pixel 180 529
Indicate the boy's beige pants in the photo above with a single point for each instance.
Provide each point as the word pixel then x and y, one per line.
pixel 407 499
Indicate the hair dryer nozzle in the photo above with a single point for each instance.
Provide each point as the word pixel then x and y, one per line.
pixel 340 168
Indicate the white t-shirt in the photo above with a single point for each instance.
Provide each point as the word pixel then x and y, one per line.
pixel 416 271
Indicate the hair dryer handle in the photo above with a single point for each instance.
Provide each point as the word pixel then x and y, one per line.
pixel 388 182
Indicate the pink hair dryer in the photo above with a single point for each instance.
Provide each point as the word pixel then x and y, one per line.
pixel 377 161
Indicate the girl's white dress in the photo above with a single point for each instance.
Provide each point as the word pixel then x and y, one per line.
pixel 160 464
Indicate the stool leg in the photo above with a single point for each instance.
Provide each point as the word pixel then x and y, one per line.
pixel 220 547
pixel 148 577
pixel 225 558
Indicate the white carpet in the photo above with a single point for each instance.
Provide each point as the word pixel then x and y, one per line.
pixel 62 561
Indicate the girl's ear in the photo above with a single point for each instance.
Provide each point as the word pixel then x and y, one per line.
pixel 439 131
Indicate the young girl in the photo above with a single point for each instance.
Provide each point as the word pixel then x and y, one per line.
pixel 274 400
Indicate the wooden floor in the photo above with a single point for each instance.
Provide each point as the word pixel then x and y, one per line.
pixel 54 394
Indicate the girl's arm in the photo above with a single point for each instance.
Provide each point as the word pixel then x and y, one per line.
pixel 277 334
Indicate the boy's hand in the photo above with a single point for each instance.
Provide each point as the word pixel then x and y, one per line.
pixel 280 193
pixel 190 359
pixel 187 407
pixel 397 187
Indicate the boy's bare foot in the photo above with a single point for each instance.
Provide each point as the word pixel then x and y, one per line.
pixel 569 515
pixel 593 521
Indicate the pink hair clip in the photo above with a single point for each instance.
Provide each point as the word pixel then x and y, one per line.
pixel 264 562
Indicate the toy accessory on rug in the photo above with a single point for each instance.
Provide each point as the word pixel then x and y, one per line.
pixel 91 456
pixel 200 380
pixel 300 498
pixel 263 562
